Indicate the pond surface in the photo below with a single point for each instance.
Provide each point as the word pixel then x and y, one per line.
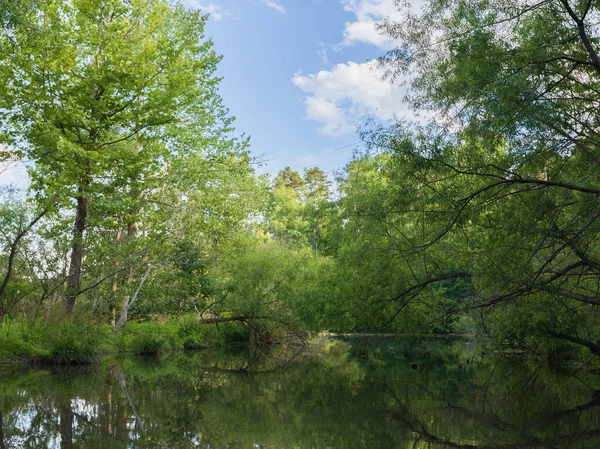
pixel 365 393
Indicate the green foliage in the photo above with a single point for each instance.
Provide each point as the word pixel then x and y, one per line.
pixel 74 342
pixel 109 100
pixel 194 335
pixel 148 338
pixel 20 340
pixel 486 221
pixel 35 340
pixel 26 341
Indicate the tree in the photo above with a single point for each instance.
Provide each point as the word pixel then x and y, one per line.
pixel 101 96
pixel 316 193
pixel 286 211
pixel 508 175
pixel 16 222
pixel 289 178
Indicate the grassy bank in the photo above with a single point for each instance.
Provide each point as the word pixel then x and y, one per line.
pixel 31 341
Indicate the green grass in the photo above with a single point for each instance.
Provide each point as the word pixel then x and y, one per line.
pixel 26 340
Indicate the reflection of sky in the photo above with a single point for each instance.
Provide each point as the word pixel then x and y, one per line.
pixel 24 430
pixel 84 413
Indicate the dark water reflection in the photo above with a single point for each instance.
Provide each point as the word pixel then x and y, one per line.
pixel 360 394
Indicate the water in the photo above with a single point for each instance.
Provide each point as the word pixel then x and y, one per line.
pixel 366 393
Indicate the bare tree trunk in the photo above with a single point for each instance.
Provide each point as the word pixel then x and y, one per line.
pixel 115 284
pixel 123 317
pixel 9 270
pixel 77 252
pixel 131 234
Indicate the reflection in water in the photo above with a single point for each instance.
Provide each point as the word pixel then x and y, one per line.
pixel 361 394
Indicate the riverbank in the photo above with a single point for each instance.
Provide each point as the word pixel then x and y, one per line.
pixel 42 341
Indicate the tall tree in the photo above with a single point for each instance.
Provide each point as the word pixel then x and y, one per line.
pixel 97 92
pixel 286 211
pixel 509 180
pixel 316 193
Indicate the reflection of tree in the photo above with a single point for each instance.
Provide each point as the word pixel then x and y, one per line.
pixel 512 431
pixel 139 423
pixel 595 402
pixel 2 446
pixel 66 426
pixel 338 396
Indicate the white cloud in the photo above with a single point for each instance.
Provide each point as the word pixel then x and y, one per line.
pixel 368 13
pixel 322 53
pixel 327 112
pixel 275 4
pixel 341 98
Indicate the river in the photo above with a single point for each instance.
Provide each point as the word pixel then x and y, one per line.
pixel 340 394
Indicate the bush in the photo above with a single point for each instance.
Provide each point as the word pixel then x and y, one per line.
pixel 149 338
pixel 234 333
pixel 194 335
pixel 76 341
pixel 72 342
pixel 36 340
pixel 190 333
pixel 20 339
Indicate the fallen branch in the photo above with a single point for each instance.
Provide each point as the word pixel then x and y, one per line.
pixel 593 347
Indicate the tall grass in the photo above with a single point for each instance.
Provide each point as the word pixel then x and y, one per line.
pixel 75 341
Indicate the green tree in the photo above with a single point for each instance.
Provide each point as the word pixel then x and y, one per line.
pixel 286 211
pixel 100 96
pixel 316 193
pixel 509 180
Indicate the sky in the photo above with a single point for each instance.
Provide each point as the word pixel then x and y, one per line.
pixel 298 77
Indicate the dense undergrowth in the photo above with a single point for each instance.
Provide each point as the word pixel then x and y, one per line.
pixel 35 341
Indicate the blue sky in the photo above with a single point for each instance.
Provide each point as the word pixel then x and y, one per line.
pixel 296 75
pixel 297 78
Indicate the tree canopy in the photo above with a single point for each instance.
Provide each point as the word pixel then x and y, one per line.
pixel 484 220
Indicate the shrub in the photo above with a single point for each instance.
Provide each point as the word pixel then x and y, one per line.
pixel 149 338
pixel 234 333
pixel 20 341
pixel 190 332
pixel 72 342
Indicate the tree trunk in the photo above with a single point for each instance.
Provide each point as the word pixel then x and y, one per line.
pixel 115 285
pixel 593 347
pixel 9 270
pixel 131 234
pixel 77 252
pixel 123 317
pixel 14 249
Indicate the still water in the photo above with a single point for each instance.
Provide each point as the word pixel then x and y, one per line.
pixel 362 393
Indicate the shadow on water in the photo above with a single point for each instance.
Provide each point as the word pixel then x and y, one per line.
pixel 363 393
